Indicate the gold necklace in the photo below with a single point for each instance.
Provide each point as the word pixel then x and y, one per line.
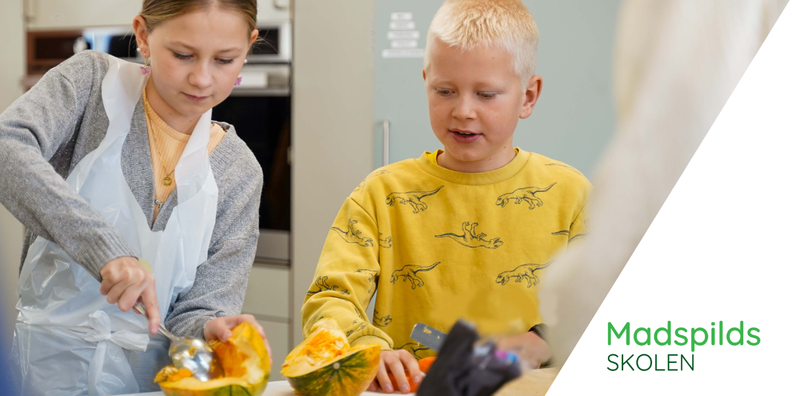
pixel 167 181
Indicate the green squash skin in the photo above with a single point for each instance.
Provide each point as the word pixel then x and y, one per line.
pixel 233 390
pixel 352 376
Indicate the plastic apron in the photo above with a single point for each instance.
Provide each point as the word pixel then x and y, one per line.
pixel 68 340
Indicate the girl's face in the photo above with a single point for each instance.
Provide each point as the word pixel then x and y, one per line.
pixel 195 59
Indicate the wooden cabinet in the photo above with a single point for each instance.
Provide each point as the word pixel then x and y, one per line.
pixel 78 14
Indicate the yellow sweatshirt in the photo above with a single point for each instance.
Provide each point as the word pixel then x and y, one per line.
pixel 437 245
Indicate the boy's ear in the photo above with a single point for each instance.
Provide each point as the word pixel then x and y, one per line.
pixel 532 93
pixel 423 72
pixel 141 35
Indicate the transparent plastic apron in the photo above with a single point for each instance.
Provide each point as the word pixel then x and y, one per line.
pixel 68 340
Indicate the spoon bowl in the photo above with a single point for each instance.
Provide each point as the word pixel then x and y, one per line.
pixel 189 353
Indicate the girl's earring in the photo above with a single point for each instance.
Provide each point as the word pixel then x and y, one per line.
pixel 145 68
pixel 245 60
pixel 238 82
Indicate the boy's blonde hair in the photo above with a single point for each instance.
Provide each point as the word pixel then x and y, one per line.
pixel 467 24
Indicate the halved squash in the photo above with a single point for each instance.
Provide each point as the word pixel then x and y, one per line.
pixel 325 364
pixel 244 359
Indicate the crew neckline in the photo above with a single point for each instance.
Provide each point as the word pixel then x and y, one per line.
pixel 428 163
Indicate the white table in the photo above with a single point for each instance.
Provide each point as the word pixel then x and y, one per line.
pixel 532 383
pixel 274 388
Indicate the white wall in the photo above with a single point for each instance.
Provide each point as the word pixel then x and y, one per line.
pixel 12 63
pixel 332 128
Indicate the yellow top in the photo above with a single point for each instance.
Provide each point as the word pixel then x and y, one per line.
pixel 437 245
pixel 167 144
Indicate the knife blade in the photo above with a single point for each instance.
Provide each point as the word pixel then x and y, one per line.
pixel 426 335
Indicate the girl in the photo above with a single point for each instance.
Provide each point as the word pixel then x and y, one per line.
pixel 122 180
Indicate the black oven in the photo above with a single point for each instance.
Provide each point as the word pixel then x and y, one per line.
pixel 263 121
pixel 260 110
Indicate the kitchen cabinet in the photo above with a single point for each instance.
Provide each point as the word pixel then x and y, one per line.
pixel 267 298
pixel 574 118
pixel 267 291
pixel 278 336
pixel 77 14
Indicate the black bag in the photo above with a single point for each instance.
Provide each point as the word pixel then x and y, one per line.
pixel 463 369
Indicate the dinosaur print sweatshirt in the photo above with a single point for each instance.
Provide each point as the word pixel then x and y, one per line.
pixel 438 245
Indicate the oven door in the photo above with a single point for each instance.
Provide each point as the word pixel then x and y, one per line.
pixel 260 110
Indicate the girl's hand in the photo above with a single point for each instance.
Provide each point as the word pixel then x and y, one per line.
pixel 124 280
pixel 220 329
pixel 399 363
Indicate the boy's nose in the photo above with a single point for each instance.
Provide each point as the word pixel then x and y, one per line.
pixel 464 110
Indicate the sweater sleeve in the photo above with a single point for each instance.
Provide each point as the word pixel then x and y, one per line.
pixel 35 128
pixel 346 277
pixel 221 281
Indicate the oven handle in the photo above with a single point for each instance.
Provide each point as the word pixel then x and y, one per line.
pixel 385 142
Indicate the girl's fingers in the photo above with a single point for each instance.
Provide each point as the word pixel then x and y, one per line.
pixel 149 296
pixel 129 297
pixel 115 293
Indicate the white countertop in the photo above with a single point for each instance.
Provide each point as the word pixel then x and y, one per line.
pixel 274 388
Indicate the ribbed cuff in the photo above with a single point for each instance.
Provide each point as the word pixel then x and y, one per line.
pixel 371 339
pixel 96 252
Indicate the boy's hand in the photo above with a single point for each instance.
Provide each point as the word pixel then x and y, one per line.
pixel 124 280
pixel 220 329
pixel 531 348
pixel 396 362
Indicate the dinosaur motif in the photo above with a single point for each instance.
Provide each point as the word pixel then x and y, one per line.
pixel 414 348
pixel 381 321
pixel 351 235
pixel 386 243
pixel 527 194
pixel 411 197
pixel 525 271
pixel 471 239
pixel 410 272
pixel 362 325
pixel 357 311
pixel 576 237
pixel 562 232
pixel 321 283
pixel 372 277
pixel 371 175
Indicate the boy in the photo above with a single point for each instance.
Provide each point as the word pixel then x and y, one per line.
pixel 464 231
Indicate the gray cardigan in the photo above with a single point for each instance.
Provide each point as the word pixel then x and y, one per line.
pixel 49 129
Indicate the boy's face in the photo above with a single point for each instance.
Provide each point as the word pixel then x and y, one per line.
pixel 475 100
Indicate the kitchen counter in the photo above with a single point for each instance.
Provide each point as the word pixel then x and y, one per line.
pixel 533 383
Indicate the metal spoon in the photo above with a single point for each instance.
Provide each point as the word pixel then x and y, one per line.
pixel 189 353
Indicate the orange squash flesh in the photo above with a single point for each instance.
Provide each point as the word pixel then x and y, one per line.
pixel 325 364
pixel 244 359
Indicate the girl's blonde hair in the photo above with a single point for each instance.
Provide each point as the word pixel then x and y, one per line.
pixel 155 12
pixel 507 24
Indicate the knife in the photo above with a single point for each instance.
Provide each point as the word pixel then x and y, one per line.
pixel 428 336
